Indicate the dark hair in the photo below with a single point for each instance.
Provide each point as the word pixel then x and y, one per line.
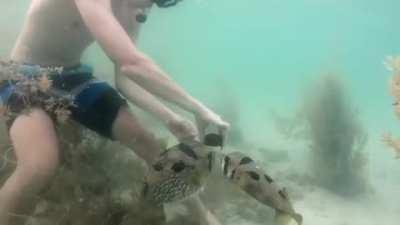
pixel 166 3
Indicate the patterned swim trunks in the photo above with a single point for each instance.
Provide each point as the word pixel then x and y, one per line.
pixel 95 104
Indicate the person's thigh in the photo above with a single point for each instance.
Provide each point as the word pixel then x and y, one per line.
pixel 130 132
pixel 35 146
pixel 34 139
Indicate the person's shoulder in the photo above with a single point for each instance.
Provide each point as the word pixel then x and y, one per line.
pixel 45 8
pixel 51 3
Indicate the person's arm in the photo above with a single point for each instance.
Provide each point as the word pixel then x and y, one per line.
pixel 98 16
pixel 179 127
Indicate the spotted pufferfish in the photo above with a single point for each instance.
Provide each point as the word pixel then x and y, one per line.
pixel 182 170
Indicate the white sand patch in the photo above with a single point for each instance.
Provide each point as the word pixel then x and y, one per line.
pixel 324 208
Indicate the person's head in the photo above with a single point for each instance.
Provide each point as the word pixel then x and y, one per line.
pixel 142 16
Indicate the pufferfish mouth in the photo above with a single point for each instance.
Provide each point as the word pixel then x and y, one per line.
pixel 395 103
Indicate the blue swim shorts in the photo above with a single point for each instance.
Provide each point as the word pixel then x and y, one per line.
pixel 95 103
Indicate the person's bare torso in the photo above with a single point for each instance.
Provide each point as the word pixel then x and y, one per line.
pixel 55 35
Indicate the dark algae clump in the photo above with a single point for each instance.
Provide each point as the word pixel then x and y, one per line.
pixel 337 138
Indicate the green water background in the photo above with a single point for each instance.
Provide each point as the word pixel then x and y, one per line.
pixel 266 52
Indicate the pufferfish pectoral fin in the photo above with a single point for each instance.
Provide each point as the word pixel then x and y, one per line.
pixel 282 218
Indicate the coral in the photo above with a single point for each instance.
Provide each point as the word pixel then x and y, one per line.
pixel 392 143
pixel 393 64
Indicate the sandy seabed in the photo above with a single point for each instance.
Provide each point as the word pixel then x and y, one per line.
pixel 380 206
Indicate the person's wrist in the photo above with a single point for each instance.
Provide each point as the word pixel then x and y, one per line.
pixel 202 112
pixel 197 108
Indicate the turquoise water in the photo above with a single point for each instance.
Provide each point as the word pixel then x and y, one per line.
pixel 266 53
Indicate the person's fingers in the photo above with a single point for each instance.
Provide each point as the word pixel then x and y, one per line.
pixel 183 130
pixel 223 124
pixel 190 129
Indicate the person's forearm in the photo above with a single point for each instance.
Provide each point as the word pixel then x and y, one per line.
pixel 148 75
pixel 105 28
pixel 143 99
pixel 113 38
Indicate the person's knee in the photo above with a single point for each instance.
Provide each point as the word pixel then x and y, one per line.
pixel 45 167
pixel 129 132
pixel 127 127
pixel 34 176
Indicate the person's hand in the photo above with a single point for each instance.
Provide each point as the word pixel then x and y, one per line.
pixel 207 118
pixel 184 130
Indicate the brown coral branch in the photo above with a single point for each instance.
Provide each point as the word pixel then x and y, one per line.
pixel 392 143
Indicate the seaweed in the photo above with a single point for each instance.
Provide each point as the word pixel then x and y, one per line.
pixel 337 138
pixel 32 91
pixel 99 182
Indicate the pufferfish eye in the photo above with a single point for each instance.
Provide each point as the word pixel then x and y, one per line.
pixel 178 167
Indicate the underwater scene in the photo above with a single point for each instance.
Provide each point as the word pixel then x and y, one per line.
pixel 310 89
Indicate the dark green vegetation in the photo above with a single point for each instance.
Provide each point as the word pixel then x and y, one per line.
pixel 336 136
pixel 100 182
pixel 330 125
pixel 97 183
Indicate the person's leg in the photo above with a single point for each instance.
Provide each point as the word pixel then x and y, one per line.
pixel 109 116
pixel 127 130
pixel 130 132
pixel 36 148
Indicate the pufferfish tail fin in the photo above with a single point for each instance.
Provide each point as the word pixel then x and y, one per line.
pixel 282 218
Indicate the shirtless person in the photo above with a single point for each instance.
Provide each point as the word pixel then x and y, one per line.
pixel 56 33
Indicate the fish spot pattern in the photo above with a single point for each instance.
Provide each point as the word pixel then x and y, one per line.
pixel 178 167
pixel 253 175
pixel 268 178
pixel 245 160
pixel 227 161
pixel 187 150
